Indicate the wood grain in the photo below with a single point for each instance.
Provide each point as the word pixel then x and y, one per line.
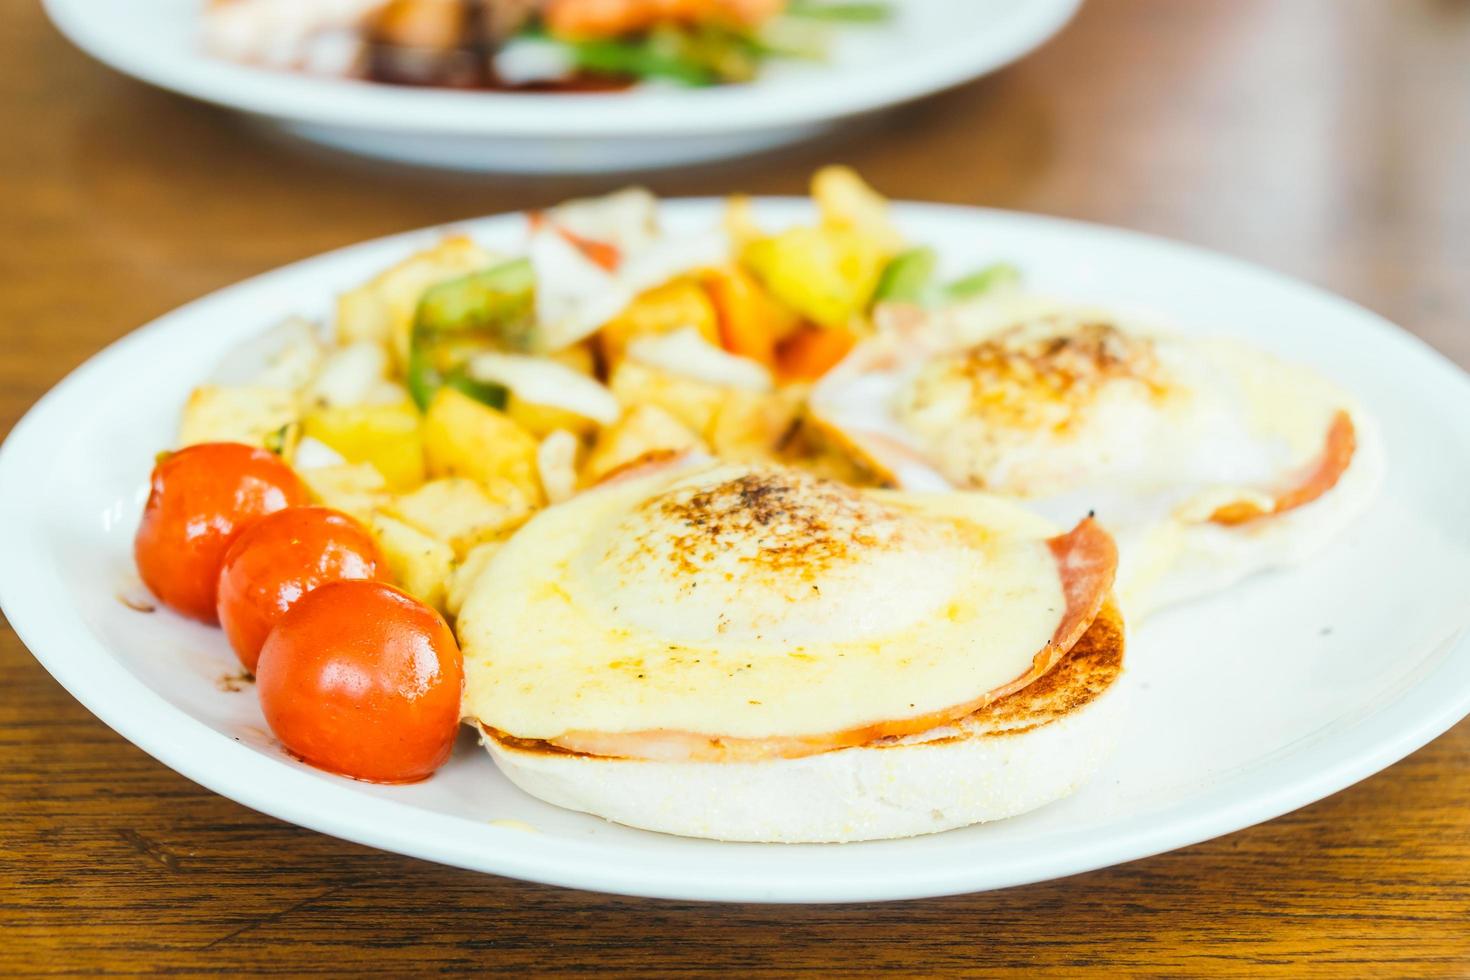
pixel 1327 139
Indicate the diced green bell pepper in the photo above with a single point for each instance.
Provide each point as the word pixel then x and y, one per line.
pixel 851 11
pixel 494 309
pixel 907 277
pixel 981 281
pixel 640 58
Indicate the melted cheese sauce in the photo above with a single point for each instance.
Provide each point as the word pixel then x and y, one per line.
pixel 753 602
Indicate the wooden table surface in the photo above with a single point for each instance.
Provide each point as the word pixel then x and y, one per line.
pixel 1328 139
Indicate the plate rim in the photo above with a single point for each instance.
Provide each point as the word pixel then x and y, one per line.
pixel 304 99
pixel 1430 702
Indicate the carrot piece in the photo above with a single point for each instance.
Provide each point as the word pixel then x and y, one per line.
pixel 614 18
pixel 751 321
pixel 811 352
pixel 604 254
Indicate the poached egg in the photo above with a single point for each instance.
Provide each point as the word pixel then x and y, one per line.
pixel 1207 459
pixel 706 611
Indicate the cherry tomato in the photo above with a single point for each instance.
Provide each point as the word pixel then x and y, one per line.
pixel 363 680
pixel 200 498
pixel 280 558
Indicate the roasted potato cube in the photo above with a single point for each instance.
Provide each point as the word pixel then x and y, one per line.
pixel 819 448
pixel 645 432
pixel 468 572
pixel 356 489
pixel 458 511
pixel 663 309
pixel 255 415
pixel 739 220
pixel 387 436
pixel 463 437
pixel 556 462
pixel 362 315
pixel 845 201
pixel 751 426
pixel 689 400
pixel 421 564
pixel 578 357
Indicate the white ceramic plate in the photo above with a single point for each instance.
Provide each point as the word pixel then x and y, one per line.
pixel 929 45
pixel 1248 705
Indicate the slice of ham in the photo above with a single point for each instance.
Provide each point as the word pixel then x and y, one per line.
pixel 1337 455
pixel 1087 560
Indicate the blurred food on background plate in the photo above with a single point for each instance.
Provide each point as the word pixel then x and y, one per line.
pixel 531 45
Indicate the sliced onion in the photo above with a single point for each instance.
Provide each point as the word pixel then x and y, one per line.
pixel 685 352
pixel 349 375
pixel 523 61
pixel 575 296
pixel 626 219
pixel 541 381
pixel 287 357
pixel 314 454
pixel 556 462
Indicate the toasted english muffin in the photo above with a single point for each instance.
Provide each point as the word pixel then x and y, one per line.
pixel 1016 754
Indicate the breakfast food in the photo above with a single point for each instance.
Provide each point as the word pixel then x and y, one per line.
pixel 528 45
pixel 741 629
pixel 1015 755
pixel 199 499
pixel 1208 459
pixel 747 533
pixel 354 675
pixel 363 680
pixel 280 558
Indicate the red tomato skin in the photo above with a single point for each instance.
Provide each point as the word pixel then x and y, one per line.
pixel 280 558
pixel 363 680
pixel 199 498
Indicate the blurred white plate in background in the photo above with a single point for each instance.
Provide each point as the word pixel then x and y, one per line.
pixel 929 45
